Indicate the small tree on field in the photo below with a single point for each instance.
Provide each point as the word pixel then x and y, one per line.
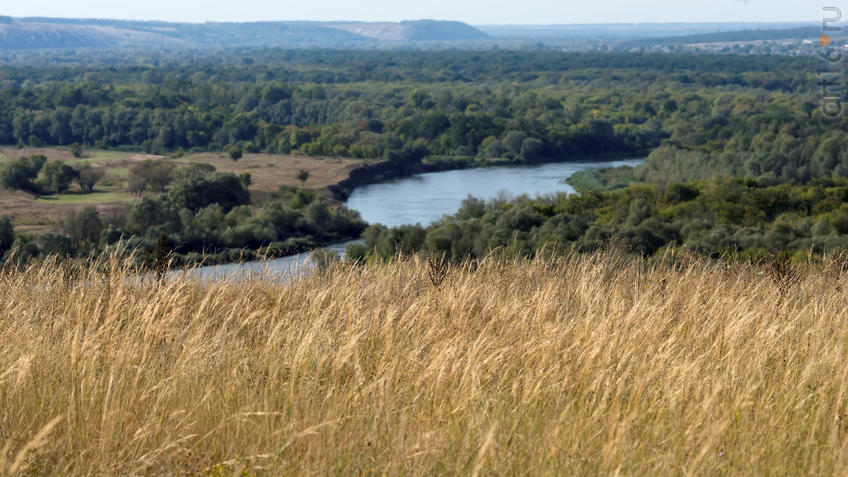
pixel 150 174
pixel 235 153
pixel 19 174
pixel 77 150
pixel 302 176
pixel 87 177
pixel 246 179
pixel 56 176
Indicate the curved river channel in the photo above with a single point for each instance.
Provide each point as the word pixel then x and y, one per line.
pixel 423 199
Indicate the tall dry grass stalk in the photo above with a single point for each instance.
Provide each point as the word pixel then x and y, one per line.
pixel 587 365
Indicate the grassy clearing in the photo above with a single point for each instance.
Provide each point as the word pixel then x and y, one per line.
pixel 268 171
pixel 96 197
pixel 590 365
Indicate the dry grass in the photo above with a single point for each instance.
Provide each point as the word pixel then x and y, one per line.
pixel 589 365
pixel 270 171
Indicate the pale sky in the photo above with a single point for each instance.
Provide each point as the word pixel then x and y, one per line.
pixel 478 12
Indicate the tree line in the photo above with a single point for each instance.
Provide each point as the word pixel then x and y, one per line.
pixel 513 106
pixel 715 217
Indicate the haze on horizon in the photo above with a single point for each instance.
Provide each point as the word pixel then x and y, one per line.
pixel 475 12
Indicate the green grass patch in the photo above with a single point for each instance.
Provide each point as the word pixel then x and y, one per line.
pixel 100 156
pixel 96 197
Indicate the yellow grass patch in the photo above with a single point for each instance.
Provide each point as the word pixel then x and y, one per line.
pixel 584 366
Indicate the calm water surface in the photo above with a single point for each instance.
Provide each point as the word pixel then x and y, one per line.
pixel 422 199
pixel 425 198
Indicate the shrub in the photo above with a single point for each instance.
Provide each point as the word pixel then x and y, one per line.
pixel 218 188
pixel 324 258
pixel 55 177
pixel 88 177
pixel 150 174
pixel 20 174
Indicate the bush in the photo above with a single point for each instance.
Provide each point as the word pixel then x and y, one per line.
pixel 303 176
pixel 531 149
pixel 88 177
pixel 55 244
pixel 355 253
pixel 218 188
pixel 77 150
pixel 55 177
pixel 19 174
pixel 150 174
pixel 323 258
pixel 84 226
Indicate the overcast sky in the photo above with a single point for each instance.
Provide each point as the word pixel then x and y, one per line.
pixel 477 12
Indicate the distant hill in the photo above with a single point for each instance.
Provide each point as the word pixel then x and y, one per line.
pixel 58 33
pixel 41 33
pixel 414 31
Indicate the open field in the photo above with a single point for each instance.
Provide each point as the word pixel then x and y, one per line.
pixel 589 365
pixel 268 172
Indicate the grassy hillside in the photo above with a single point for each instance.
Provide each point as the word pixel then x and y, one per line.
pixel 590 365
pixel 45 33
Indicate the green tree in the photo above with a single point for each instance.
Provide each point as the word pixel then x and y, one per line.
pixel 196 193
pixel 235 153
pixel 88 177
pixel 531 149
pixel 84 226
pixel 513 141
pixel 150 174
pixel 55 244
pixel 56 177
pixel 77 150
pixel 151 215
pixel 19 174
pixel 302 176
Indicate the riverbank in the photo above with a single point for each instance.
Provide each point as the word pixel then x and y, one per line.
pixel 250 233
pixel 440 186
pixel 373 173
pixel 424 198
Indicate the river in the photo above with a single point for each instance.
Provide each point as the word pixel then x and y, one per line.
pixel 423 199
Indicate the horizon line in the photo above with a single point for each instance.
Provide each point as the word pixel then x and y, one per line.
pixel 200 22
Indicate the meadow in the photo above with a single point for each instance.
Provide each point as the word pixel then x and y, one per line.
pixel 579 365
pixel 269 172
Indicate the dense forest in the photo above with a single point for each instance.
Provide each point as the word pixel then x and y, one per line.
pixel 401 106
pixel 755 118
